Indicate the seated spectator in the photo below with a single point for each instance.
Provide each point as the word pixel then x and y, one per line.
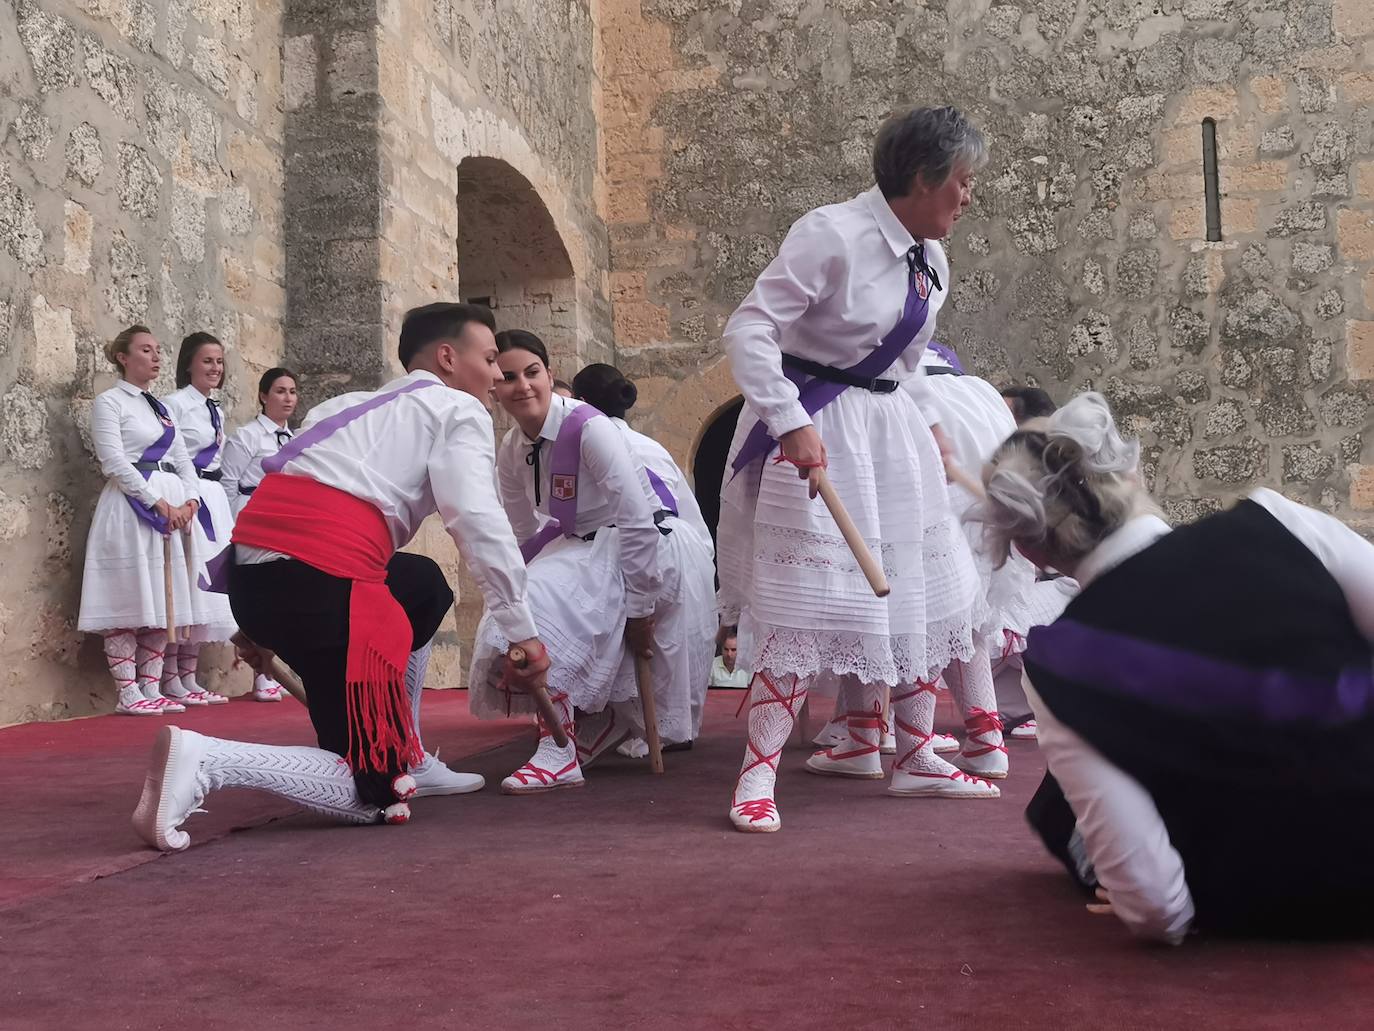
pixel 724 672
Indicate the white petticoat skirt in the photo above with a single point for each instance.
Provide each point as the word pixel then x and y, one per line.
pixel 684 629
pixel 122 587
pixel 802 602
pixel 976 422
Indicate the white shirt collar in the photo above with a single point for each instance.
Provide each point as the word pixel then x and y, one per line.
pixel 893 231
pixel 559 407
pixel 128 388
pixel 266 423
pixel 1130 539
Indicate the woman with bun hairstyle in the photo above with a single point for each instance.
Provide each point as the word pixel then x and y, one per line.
pixel 242 466
pixel 199 371
pixel 594 575
pixel 1205 704
pixel 685 612
pixel 150 496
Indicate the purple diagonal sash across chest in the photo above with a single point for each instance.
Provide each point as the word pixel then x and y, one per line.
pixel 814 394
pixel 563 467
pixel 665 496
pixel 327 427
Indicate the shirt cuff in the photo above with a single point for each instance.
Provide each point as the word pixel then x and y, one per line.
pixel 637 605
pixel 515 622
pixel 786 419
pixel 148 497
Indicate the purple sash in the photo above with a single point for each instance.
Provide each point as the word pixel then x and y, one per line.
pixel 154 453
pixel 327 427
pixel 948 354
pixel 563 466
pixel 207 454
pixel 815 394
pixel 661 489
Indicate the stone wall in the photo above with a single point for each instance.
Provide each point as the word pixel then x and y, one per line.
pixel 1083 262
pixel 140 181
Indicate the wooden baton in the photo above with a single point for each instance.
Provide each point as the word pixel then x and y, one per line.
pixel 283 675
pixel 188 547
pixel 167 587
pixel 963 479
pixel 644 680
pixel 517 658
pixel 873 570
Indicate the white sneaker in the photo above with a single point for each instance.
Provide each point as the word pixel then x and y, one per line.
pixel 172 790
pixel 435 778
pixel 944 743
pixel 550 769
pixel 950 783
pixel 633 748
pixel 855 763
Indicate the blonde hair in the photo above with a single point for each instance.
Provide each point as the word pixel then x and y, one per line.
pixel 120 345
pixel 1062 483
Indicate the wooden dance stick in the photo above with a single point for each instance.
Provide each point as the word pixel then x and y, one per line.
pixel 188 548
pixel 547 713
pixel 167 587
pixel 963 479
pixel 644 680
pixel 873 570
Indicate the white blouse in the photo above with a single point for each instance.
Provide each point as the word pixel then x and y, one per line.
pixel 123 426
pixel 653 455
pixel 241 461
pixel 190 408
pixel 837 285
pixel 612 490
pixel 1124 835
pixel 426 451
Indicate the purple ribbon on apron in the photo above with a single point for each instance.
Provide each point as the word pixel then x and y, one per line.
pixel 563 466
pixel 154 453
pixel 218 567
pixel 814 394
pixel 948 354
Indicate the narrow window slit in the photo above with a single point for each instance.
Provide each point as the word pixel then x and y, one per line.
pixel 1209 178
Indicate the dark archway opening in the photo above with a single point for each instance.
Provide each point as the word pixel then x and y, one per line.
pixel 708 464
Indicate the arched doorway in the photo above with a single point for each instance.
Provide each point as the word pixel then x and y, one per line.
pixel 708 459
pixel 511 258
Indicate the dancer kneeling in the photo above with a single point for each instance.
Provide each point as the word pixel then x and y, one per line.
pixel 1205 704
pixel 594 575
pixel 313 575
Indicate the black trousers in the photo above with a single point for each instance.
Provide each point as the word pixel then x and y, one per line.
pixel 301 614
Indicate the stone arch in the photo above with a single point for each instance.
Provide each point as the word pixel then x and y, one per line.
pixel 511 256
pixel 708 457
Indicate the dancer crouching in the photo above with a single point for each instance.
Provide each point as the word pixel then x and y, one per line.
pixel 313 575
pixel 1205 704
pixel 594 572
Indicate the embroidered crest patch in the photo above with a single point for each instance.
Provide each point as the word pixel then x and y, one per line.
pixel 922 283
pixel 564 487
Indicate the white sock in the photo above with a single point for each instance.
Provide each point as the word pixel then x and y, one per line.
pixel 773 706
pixel 120 648
pixel 416 668
pixel 149 661
pixel 311 777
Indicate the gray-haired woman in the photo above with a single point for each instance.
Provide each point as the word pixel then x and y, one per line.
pixel 1205 704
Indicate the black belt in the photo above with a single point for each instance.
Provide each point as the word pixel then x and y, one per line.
pixel 210 474
pixel 248 491
pixel 942 370
pixel 833 375
pixel 659 516
pixel 152 467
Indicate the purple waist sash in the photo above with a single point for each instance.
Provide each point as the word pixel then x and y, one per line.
pixel 814 394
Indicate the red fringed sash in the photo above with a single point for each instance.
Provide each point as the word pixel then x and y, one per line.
pixel 346 537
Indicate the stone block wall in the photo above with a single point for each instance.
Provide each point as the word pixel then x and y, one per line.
pixel 140 181
pixel 1083 262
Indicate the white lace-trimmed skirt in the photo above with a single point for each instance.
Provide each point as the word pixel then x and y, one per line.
pixel 684 630
pixel 122 586
pixel 214 621
pixel 576 593
pixel 803 604
pixel 976 421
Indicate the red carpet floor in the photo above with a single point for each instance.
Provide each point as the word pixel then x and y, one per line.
pixel 628 904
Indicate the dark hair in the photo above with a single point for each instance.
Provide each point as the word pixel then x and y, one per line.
pixel 190 345
pixel 522 340
pixel 1029 403
pixel 926 141
pixel 120 344
pixel 562 384
pixel 442 320
pixel 730 632
pixel 268 378
pixel 603 387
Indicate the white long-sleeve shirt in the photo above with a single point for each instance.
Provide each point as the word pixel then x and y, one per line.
pixel 837 285
pixel 123 425
pixel 612 490
pixel 241 460
pixel 1122 831
pixel 190 409
pixel 430 450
